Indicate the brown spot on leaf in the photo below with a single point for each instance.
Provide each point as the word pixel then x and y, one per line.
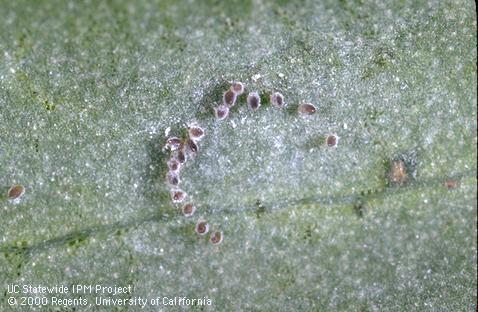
pixel 398 172
pixel 451 184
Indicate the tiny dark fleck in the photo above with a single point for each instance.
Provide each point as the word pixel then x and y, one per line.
pixel 49 106
pixel 359 209
pixel 260 208
pixel 37 145
pixel 308 233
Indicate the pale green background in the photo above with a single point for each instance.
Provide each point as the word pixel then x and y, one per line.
pixel 88 88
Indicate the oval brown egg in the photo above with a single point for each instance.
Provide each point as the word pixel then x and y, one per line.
pixel 178 196
pixel 201 228
pixel 237 87
pixel 332 140
pixel 253 100
pixel 16 191
pixel 221 112
pixel 196 133
pixel 306 109
pixel 229 98
pixel 216 238
pixel 188 210
pixel 277 100
pixel 173 143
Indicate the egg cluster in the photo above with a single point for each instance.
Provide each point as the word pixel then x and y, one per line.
pixel 181 150
pixel 229 99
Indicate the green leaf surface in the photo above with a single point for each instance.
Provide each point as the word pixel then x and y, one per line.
pixel 89 89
